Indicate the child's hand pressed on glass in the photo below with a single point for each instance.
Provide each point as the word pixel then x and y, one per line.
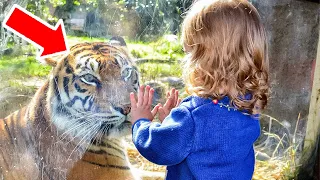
pixel 172 102
pixel 142 108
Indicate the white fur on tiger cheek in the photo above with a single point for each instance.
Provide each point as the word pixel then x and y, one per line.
pixel 78 104
pixel 87 104
pixel 121 131
pixel 126 66
pixel 92 64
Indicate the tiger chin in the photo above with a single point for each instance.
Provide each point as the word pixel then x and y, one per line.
pixel 74 126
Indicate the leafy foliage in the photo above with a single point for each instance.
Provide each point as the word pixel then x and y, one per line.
pixel 141 19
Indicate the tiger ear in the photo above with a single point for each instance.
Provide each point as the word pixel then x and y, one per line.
pixel 50 61
pixel 117 41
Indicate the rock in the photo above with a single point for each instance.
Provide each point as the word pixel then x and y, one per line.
pixel 171 38
pixel 159 91
pixel 173 82
pixel 262 156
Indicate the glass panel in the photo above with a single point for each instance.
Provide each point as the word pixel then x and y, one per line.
pixel 151 30
pixel 293 31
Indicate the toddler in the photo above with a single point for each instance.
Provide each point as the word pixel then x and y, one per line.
pixel 210 134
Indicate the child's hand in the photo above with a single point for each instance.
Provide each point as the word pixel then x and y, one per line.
pixel 172 102
pixel 142 109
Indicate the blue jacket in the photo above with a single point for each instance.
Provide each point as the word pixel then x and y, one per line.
pixel 200 140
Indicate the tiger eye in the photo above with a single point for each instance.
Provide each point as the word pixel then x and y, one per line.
pixel 89 77
pixel 126 73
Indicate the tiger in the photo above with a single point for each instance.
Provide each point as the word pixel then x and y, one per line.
pixel 74 126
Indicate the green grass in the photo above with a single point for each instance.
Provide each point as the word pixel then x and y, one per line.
pixel 22 66
pixel 153 71
pixel 159 49
pixel 76 39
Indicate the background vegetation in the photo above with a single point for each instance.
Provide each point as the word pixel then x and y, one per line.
pixel 148 18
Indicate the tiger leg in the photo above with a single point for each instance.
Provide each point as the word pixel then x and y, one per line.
pixel 108 160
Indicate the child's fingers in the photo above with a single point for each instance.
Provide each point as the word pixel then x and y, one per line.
pixel 140 95
pixel 173 90
pixel 155 110
pixel 176 95
pixel 151 93
pixel 178 102
pixel 133 100
pixel 172 97
pixel 161 114
pixel 168 94
pixel 172 93
pixel 170 100
pixel 168 103
pixel 146 96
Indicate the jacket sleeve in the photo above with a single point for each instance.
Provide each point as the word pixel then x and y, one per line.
pixel 168 143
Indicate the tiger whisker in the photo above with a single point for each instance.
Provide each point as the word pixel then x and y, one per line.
pixel 66 133
pixel 85 137
pixel 79 134
pixel 82 140
pixel 102 132
pixel 75 122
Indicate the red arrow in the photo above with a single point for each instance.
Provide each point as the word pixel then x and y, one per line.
pixel 50 40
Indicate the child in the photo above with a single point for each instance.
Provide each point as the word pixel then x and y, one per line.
pixel 210 134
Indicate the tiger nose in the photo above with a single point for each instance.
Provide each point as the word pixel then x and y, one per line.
pixel 124 110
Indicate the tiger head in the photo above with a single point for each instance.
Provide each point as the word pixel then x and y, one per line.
pixel 89 90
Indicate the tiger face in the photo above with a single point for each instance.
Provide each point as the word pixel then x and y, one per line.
pixel 90 91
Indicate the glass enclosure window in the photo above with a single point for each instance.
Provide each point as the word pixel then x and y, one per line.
pixel 151 30
pixel 293 30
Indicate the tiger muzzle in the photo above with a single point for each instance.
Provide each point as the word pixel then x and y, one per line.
pixel 125 110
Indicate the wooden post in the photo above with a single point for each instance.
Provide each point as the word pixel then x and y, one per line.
pixel 311 141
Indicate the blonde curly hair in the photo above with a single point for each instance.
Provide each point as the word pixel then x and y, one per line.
pixel 227 53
